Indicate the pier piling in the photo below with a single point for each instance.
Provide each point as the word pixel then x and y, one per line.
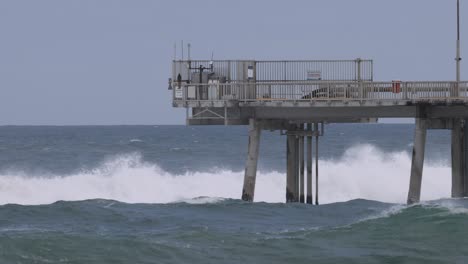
pixel 250 175
pixel 414 193
pixel 291 169
pixel 316 163
pixel 458 158
pixel 297 167
pixel 309 165
pixel 465 157
pixel 301 168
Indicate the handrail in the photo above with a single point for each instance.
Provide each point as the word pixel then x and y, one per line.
pixel 237 60
pixel 321 90
pixel 273 70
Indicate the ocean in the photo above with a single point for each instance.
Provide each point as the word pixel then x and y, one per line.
pixel 171 194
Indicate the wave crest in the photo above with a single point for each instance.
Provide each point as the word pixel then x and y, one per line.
pixel 362 172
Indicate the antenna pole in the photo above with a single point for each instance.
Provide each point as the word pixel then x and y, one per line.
pixel 182 48
pixel 458 59
pixel 188 49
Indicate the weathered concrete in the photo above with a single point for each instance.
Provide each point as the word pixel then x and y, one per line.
pixel 316 126
pixel 291 169
pixel 309 166
pixel 458 158
pixel 301 169
pixel 297 164
pixel 250 176
pixel 240 113
pixel 414 193
pixel 347 114
pixel 465 157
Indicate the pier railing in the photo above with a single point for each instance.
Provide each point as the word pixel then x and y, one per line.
pixel 320 91
pixel 191 71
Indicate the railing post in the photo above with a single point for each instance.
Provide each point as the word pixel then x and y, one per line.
pixel 229 71
pixel 360 87
pixel 284 70
pixel 405 90
pixel 358 62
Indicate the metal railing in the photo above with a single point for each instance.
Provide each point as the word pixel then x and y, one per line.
pixel 274 71
pixel 325 70
pixel 320 90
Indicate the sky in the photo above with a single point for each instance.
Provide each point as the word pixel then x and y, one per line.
pixel 107 62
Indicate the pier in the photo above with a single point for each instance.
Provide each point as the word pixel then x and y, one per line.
pixel 298 98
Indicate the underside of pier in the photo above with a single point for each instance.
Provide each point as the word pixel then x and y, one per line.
pixel 302 155
pixel 459 153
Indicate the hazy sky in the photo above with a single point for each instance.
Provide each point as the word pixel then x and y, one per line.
pixel 107 62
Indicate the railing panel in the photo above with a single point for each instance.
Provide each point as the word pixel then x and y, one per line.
pixel 321 90
pixel 275 71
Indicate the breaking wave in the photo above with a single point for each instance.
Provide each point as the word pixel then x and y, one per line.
pixel 363 172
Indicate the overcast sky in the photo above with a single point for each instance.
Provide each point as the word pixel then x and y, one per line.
pixel 107 62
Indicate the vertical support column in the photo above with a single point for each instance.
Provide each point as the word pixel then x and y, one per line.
pixel 414 193
pixel 309 165
pixel 316 126
pixel 301 167
pixel 465 157
pixel 297 166
pixel 291 169
pixel 458 164
pixel 250 176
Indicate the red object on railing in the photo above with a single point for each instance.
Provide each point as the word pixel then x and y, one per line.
pixel 396 86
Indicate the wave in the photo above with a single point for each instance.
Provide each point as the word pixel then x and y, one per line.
pixel 449 206
pixel 363 172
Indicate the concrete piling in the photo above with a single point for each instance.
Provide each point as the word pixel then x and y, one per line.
pixel 301 168
pixel 291 169
pixel 250 175
pixel 465 157
pixel 316 126
pixel 297 167
pixel 414 193
pixel 458 159
pixel 309 165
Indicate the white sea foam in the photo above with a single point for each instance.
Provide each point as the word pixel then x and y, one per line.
pixel 389 212
pixel 202 200
pixel 362 172
pixel 452 206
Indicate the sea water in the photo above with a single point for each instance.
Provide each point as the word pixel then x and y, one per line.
pixel 170 194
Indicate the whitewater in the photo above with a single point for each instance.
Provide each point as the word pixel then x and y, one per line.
pixel 361 172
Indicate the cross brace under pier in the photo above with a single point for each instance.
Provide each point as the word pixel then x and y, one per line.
pixel 298 189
